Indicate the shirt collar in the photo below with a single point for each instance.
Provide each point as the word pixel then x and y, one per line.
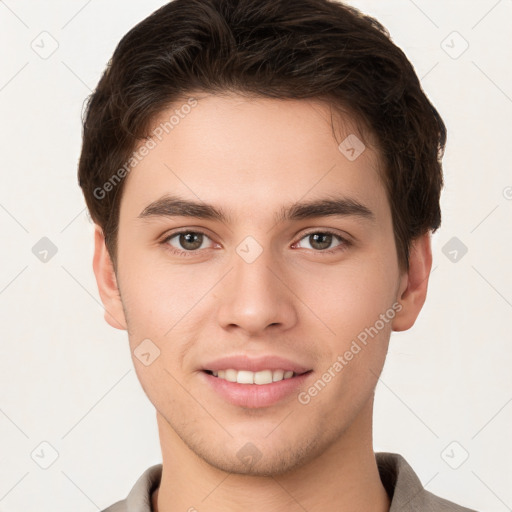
pixel 398 478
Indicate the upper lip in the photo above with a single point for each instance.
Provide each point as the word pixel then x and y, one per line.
pixel 255 364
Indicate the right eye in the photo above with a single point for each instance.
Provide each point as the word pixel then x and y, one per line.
pixel 187 241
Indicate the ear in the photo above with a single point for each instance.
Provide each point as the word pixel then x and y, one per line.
pixel 107 282
pixel 413 284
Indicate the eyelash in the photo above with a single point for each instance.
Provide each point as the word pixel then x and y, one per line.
pixel 344 243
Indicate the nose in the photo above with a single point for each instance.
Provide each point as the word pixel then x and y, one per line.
pixel 256 296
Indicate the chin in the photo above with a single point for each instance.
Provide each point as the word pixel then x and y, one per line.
pixel 267 462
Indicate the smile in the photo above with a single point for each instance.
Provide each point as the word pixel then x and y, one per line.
pixel 248 377
pixel 254 389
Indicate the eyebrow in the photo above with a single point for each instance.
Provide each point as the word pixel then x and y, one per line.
pixel 174 206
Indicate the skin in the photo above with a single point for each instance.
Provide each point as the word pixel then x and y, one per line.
pixel 251 157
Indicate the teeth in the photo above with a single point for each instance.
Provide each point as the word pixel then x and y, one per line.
pixel 248 377
pixel 277 375
pixel 230 375
pixel 263 377
pixel 245 377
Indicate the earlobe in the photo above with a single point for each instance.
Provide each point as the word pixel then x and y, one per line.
pixel 414 283
pixel 107 282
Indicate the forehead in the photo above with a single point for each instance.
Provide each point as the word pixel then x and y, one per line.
pixel 252 153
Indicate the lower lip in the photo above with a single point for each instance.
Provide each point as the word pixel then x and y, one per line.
pixel 255 395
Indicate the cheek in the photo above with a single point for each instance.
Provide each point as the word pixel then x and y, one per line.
pixel 348 297
pixel 357 308
pixel 155 294
pixel 163 304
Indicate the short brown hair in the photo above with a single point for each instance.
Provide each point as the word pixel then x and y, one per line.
pixel 269 48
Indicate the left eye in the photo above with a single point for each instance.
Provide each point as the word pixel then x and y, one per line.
pixel 321 241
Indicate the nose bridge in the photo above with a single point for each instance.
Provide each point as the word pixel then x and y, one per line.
pixel 252 267
pixel 255 297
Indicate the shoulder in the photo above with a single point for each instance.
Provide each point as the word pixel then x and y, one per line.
pixel 119 506
pixel 139 498
pixel 405 489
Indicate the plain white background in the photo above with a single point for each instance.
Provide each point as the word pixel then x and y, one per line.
pixel 66 377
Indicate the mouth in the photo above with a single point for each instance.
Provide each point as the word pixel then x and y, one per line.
pixel 259 378
pixel 254 381
pixel 255 390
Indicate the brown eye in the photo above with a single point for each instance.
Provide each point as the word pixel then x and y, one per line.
pixel 186 241
pixel 322 241
pixel 190 241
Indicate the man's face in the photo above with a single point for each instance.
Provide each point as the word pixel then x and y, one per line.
pixel 255 286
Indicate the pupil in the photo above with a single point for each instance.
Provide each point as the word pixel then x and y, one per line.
pixel 187 240
pixel 323 245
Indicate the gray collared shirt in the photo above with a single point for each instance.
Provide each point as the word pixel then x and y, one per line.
pixel 400 481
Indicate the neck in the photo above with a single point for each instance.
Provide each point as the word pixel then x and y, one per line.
pixel 344 478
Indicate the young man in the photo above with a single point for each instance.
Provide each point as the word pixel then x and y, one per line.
pixel 264 177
